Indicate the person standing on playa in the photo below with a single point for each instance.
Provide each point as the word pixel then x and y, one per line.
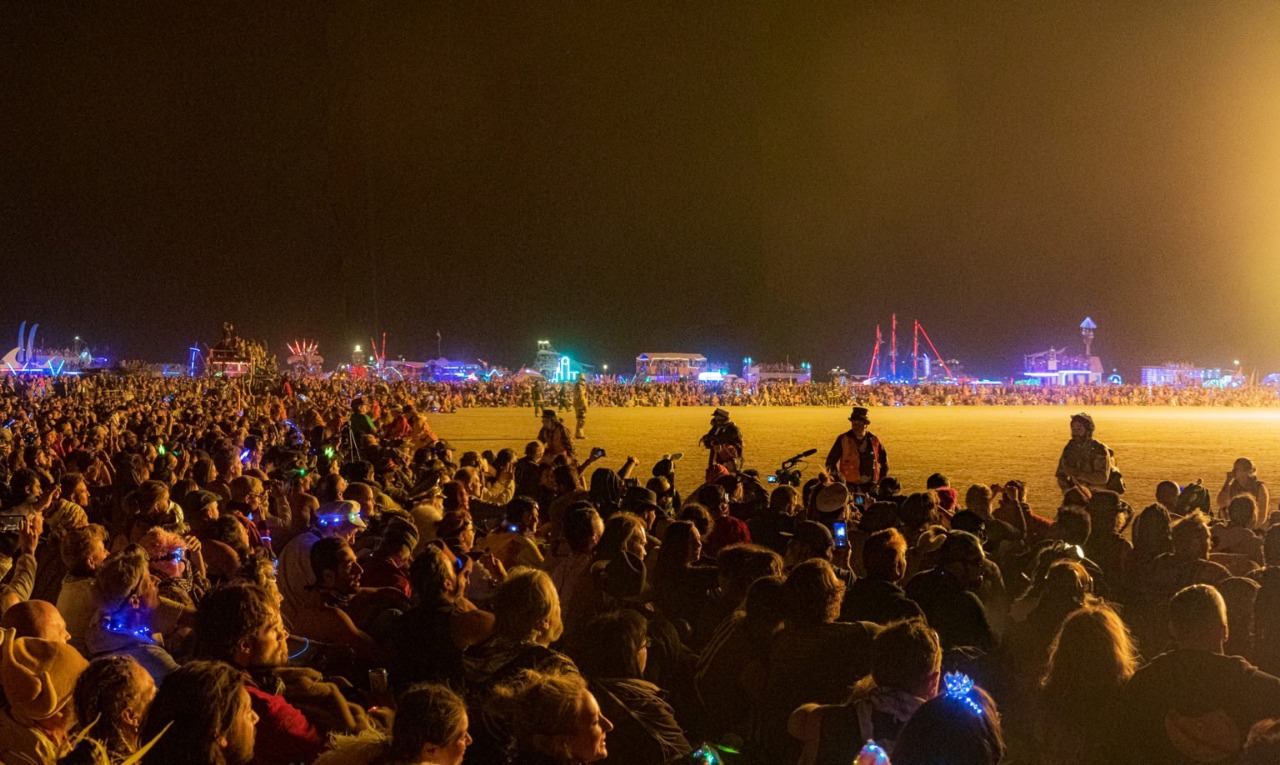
pixel 580 406
pixel 723 442
pixel 858 456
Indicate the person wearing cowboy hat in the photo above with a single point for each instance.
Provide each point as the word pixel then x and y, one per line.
pixel 1086 461
pixel 857 456
pixel 723 442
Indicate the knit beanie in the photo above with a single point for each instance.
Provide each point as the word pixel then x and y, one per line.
pixel 37 675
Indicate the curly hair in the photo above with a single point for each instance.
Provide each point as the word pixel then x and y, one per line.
pixel 104 691
pixel 158 542
pixel 228 615
pixel 199 701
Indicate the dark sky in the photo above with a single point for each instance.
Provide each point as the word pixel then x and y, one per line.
pixel 763 179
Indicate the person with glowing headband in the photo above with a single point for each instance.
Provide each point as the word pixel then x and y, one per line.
pixel 959 725
pixel 336 518
pixel 127 595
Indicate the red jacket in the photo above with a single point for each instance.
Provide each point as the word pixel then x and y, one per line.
pixel 283 735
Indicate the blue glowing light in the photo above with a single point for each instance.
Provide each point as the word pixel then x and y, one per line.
pixel 876 752
pixel 118 627
pixel 960 687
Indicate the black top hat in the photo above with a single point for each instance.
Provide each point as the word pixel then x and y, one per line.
pixel 860 415
pixel 548 413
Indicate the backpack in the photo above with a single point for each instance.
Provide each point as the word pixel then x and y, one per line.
pixel 1193 497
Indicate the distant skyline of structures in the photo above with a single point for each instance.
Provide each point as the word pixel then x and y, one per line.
pixel 1055 366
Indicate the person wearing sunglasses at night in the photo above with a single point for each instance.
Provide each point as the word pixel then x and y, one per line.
pixel 178 564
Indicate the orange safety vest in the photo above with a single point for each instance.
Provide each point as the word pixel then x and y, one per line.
pixel 851 460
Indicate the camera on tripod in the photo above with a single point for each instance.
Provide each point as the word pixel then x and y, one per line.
pixel 789 473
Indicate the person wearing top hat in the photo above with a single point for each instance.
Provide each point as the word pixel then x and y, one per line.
pixel 723 442
pixel 555 437
pixel 858 456
pixel 1086 461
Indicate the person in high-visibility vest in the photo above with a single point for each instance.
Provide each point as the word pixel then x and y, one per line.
pixel 858 456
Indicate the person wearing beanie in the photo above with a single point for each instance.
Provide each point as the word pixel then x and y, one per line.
pixel 858 456
pixel 127 597
pixel 38 677
pixel 1086 461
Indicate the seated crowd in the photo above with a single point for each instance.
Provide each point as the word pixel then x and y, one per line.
pixel 191 578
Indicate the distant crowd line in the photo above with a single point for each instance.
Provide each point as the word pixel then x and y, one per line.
pixel 450 396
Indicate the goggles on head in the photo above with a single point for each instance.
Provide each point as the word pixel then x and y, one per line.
pixel 176 556
pixel 334 519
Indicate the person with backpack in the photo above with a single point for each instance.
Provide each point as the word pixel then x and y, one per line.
pixel 906 661
pixel 1085 461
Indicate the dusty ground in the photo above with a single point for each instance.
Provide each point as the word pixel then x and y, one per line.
pixel 975 444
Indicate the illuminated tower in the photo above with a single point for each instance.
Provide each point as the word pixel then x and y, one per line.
pixel 1086 331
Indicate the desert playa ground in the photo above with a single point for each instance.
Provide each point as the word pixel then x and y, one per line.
pixel 968 444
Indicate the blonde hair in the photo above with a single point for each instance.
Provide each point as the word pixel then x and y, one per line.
pixel 1191 529
pixel 523 603
pixel 539 706
pixel 1093 650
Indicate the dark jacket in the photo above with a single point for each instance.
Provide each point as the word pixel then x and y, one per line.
pixel 956 613
pixel 644 725
pixel 1188 694
pixel 877 601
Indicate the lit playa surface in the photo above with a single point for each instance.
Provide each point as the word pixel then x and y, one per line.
pixel 967 444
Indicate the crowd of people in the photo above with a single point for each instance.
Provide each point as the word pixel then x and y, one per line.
pixel 194 572
pixel 614 392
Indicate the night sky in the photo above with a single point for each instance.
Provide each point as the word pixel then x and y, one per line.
pixel 764 179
